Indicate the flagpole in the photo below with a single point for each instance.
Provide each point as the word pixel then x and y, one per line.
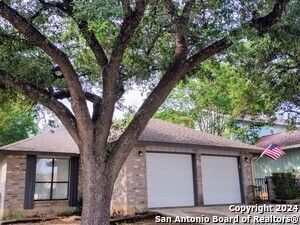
pixel 261 155
pixel 255 161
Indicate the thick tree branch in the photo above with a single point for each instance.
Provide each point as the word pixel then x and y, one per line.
pixel 93 43
pixel 111 71
pixel 179 24
pixel 95 99
pixel 126 7
pixel 79 102
pixel 263 24
pixel 45 98
pixel 87 34
pixel 161 91
pixel 130 23
pixel 66 94
pixel 185 16
pixel 171 11
pixel 205 53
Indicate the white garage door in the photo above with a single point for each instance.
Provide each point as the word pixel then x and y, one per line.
pixel 169 180
pixel 221 181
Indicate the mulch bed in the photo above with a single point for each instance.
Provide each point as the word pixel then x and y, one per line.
pixel 145 218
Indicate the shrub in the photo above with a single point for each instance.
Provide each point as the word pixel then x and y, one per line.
pixel 14 214
pixel 78 210
pixel 285 186
pixel 66 213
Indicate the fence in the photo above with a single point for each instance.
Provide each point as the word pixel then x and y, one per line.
pixel 261 189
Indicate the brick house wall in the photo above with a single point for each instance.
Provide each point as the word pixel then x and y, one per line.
pixel 199 180
pixel 248 178
pixel 130 190
pixel 15 190
pixel 15 181
pixel 130 194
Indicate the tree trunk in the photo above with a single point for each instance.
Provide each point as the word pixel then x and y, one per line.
pixel 98 183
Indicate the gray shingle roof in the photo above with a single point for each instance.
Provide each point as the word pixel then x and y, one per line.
pixel 58 142
pixel 284 139
pixel 156 132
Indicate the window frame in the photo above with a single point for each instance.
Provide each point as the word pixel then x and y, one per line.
pixel 52 178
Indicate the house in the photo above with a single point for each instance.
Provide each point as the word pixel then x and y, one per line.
pixel 290 162
pixel 249 129
pixel 170 166
pixel 269 128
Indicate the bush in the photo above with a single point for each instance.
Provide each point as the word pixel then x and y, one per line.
pixel 78 210
pixel 285 186
pixel 14 214
pixel 66 213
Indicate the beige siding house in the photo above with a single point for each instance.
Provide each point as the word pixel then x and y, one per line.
pixel 290 162
pixel 170 166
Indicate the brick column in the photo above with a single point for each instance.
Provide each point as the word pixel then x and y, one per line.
pixel 247 177
pixel 199 180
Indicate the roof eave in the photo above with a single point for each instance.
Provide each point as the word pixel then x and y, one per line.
pixel 25 152
pixel 291 146
pixel 215 147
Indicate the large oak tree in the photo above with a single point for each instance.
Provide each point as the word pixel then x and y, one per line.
pixel 92 51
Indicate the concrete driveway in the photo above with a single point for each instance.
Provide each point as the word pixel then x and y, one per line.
pixel 232 214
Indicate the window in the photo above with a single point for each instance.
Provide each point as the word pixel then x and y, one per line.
pixel 52 179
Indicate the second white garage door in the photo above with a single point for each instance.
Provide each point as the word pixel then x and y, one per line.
pixel 169 180
pixel 221 180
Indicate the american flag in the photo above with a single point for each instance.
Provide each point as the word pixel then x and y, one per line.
pixel 273 151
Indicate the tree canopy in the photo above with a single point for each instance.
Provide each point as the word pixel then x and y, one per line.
pixel 17 117
pixel 270 65
pixel 257 77
pixel 211 100
pixel 93 51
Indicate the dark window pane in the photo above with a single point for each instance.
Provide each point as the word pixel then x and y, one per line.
pixel 61 170
pixel 60 191
pixel 44 170
pixel 42 191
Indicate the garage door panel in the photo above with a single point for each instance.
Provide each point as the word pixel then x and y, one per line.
pixel 169 180
pixel 221 181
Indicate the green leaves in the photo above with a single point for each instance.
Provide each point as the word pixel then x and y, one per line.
pixel 16 118
pixel 215 99
pixel 94 10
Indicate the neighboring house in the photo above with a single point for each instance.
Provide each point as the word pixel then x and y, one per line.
pixel 290 162
pixel 278 126
pixel 170 166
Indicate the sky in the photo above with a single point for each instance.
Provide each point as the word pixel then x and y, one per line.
pixel 133 98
